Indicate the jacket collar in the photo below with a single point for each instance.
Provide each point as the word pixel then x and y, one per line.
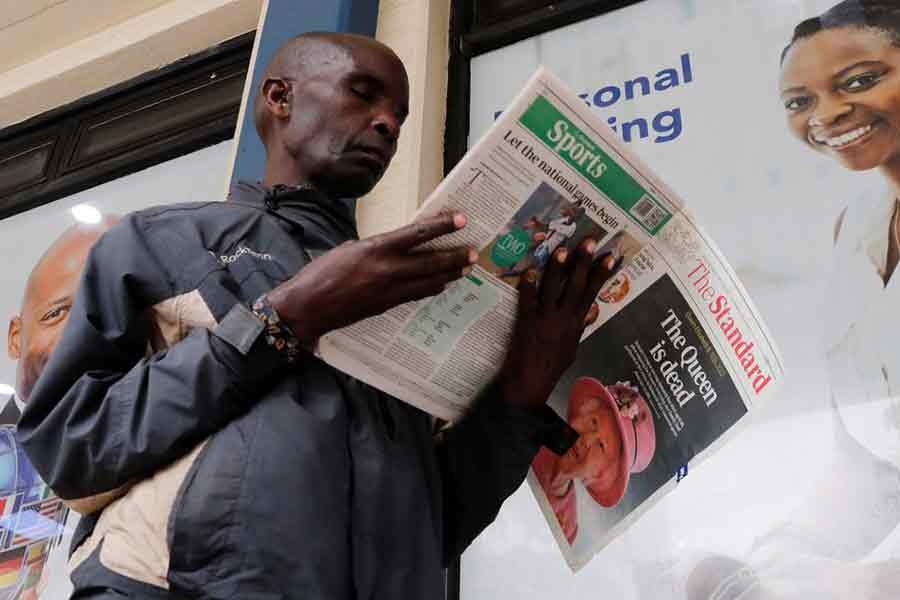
pixel 326 222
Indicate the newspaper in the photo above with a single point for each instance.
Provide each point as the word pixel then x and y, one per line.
pixel 676 360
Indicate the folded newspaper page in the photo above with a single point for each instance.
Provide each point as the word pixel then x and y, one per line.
pixel 676 360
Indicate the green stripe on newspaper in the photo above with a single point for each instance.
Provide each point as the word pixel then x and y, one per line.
pixel 598 167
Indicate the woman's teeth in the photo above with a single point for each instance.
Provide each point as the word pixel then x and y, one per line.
pixel 843 140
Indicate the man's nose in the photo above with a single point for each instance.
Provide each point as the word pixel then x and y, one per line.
pixel 387 123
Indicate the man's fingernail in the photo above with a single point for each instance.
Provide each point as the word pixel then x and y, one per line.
pixel 591 246
pixel 609 262
pixel 473 257
pixel 459 220
pixel 466 271
pixel 561 256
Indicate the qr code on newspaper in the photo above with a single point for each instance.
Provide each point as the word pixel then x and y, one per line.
pixel 648 212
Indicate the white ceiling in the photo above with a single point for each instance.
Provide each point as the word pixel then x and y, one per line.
pixel 32 28
pixel 53 52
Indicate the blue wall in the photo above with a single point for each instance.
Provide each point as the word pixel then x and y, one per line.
pixel 284 20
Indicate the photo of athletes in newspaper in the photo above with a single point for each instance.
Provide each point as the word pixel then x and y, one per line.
pixel 544 223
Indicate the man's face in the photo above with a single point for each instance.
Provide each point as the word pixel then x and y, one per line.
pixel 345 119
pixel 45 308
pixel 599 447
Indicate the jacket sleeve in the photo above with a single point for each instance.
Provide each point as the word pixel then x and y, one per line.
pixel 485 457
pixel 102 413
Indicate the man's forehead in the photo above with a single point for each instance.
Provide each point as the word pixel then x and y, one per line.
pixel 54 273
pixel 58 271
pixel 343 57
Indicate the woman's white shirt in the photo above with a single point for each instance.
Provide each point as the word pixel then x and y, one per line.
pixel 863 331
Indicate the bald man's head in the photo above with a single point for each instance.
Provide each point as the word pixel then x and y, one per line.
pixel 329 110
pixel 49 293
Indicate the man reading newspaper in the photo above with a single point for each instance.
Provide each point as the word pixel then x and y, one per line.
pixel 228 461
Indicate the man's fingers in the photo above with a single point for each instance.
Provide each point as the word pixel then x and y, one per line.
pixel 592 314
pixel 554 275
pixel 604 268
pixel 578 281
pixel 432 262
pixel 528 298
pixel 422 231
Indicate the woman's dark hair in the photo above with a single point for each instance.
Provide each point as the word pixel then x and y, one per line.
pixel 883 15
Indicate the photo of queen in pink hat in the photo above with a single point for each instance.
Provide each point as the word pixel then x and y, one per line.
pixel 617 438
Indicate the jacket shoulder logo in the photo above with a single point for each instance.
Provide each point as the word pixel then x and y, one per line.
pixel 242 250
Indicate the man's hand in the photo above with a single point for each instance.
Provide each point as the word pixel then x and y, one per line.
pixel 551 319
pixel 364 278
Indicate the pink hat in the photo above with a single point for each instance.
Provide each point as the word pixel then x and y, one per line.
pixel 637 431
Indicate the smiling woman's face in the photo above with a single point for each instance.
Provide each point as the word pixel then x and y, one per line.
pixel 841 93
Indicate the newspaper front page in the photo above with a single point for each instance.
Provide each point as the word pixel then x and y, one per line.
pixel 677 359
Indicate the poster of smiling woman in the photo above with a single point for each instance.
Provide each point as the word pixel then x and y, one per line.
pixel 779 123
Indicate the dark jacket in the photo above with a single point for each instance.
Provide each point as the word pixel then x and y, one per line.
pixel 249 478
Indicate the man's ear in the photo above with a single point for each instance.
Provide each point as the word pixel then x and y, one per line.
pixel 277 95
pixel 13 336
